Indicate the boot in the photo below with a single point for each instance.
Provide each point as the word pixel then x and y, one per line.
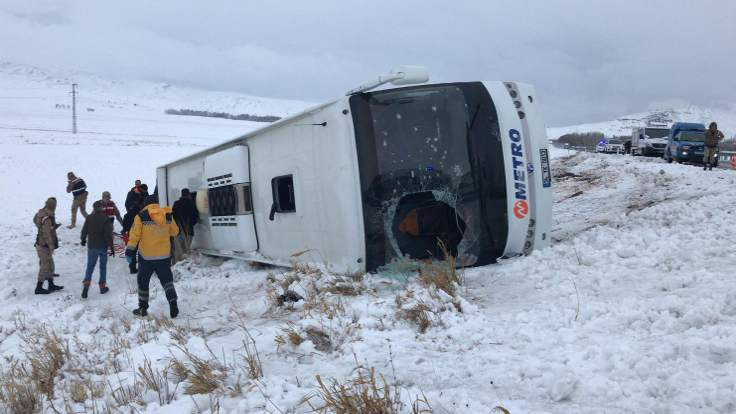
pixel 140 311
pixel 173 309
pixel 103 288
pixel 705 167
pixel 71 226
pixel 710 167
pixel 53 287
pixel 56 275
pixel 40 290
pixel 84 292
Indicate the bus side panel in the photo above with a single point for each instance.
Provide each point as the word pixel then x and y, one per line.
pixel 540 177
pixel 317 151
pixel 518 197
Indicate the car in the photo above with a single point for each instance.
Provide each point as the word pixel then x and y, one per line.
pixel 686 143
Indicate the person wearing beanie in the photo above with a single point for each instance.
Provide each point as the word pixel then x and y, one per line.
pixel 150 237
pixel 97 236
pixel 78 188
pixel 46 243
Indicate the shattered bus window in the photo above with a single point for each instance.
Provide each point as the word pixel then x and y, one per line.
pixel 431 170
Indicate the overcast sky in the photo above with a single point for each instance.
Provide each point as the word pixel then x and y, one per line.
pixel 589 60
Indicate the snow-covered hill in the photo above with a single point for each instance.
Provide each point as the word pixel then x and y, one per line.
pixel 35 101
pixel 725 117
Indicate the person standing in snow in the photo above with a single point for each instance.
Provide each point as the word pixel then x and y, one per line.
pixel 712 137
pixel 186 216
pixel 78 188
pixel 150 237
pixel 110 209
pixel 133 206
pixel 135 197
pixel 46 243
pixel 97 235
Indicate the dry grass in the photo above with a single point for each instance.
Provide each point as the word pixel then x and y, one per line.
pixel 305 269
pixel 443 275
pixel 158 381
pixel 18 390
pixel 126 394
pixel 179 370
pixel 364 394
pixel 203 376
pixel 321 305
pixel 344 288
pixel 78 391
pixel 289 335
pixel 47 353
pixel 418 314
pixel 254 367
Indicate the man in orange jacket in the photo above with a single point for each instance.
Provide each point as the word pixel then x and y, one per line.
pixel 150 237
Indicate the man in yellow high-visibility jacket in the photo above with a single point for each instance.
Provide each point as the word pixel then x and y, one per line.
pixel 151 236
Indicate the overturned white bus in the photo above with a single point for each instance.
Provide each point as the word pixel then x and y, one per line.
pixel 377 176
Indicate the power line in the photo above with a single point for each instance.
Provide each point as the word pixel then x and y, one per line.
pixel 74 108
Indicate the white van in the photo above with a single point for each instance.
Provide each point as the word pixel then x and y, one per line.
pixel 378 176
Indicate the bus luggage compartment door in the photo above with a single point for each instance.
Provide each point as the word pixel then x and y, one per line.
pixel 230 203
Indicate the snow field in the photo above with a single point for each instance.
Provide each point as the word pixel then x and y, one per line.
pixel 632 308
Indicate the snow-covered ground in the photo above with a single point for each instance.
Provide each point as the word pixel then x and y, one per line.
pixel 632 309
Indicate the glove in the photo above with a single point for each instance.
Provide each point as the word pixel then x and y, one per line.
pixel 111 253
pixel 83 242
pixel 130 255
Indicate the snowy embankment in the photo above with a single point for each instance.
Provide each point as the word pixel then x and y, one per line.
pixel 633 309
pixel 723 115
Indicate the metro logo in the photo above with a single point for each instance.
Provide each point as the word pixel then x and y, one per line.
pixel 521 209
pixel 517 162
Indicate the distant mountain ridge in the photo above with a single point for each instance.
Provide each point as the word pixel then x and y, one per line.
pixel 20 81
pixel 726 119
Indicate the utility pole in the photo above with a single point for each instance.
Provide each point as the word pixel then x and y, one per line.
pixel 74 108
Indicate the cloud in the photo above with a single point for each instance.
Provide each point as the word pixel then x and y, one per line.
pixel 590 60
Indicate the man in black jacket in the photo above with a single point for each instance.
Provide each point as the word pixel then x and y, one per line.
pixel 78 188
pixel 134 199
pixel 186 216
pixel 97 235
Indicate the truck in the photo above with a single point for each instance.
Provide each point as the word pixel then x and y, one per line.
pixel 382 174
pixel 649 140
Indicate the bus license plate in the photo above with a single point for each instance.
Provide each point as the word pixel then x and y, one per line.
pixel 546 173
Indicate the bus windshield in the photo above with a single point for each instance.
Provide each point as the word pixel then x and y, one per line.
pixel 432 174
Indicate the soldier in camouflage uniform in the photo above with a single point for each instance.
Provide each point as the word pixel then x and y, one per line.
pixel 712 137
pixel 46 243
